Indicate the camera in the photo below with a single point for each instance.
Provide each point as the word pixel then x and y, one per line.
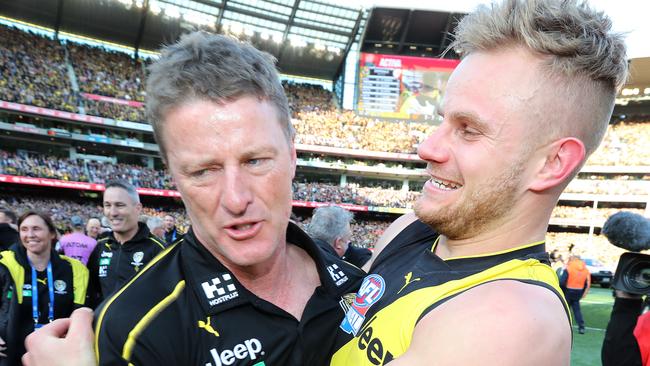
pixel 633 274
pixel 631 232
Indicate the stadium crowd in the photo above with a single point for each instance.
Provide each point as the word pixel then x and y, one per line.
pixel 34 71
pixel 596 247
pixel 46 166
pixel 587 213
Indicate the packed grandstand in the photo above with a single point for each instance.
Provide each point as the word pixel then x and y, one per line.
pixel 364 163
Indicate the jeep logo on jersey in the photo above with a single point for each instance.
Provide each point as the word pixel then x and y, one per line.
pixel 337 275
pixel 369 293
pixel 249 349
pixel 220 289
pixel 106 254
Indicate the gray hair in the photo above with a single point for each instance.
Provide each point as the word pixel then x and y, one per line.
pixel 215 68
pixel 582 56
pixel 128 187
pixel 154 222
pixel 329 223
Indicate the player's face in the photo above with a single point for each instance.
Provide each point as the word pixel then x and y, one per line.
pixel 233 166
pixel 477 157
pixel 35 236
pixel 121 210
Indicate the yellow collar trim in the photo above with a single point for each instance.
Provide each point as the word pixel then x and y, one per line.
pixel 435 243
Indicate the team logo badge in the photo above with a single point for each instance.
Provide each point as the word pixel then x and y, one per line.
pixel 59 287
pixel 137 258
pixel 371 290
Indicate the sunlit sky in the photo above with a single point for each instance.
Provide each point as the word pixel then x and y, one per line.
pixel 629 16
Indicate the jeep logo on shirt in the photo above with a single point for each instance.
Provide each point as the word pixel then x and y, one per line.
pixel 250 348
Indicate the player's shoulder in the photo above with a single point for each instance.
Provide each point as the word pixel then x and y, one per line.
pixel 508 307
pixel 507 323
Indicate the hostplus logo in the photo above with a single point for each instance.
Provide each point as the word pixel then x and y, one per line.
pixel 249 349
pixel 220 289
pixel 337 275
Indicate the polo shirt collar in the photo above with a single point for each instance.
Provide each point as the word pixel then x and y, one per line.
pixel 217 289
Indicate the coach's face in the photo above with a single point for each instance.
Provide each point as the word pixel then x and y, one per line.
pixel 478 157
pixel 233 166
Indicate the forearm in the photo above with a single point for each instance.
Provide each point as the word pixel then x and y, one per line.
pixel 620 347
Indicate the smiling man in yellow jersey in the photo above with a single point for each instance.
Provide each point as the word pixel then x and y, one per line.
pixel 466 280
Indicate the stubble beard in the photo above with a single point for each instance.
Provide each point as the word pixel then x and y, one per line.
pixel 476 213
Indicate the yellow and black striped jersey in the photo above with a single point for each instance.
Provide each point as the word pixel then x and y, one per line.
pixel 408 281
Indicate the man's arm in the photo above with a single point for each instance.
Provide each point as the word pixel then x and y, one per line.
pixel 502 323
pixel 389 234
pixel 93 294
pixel 620 347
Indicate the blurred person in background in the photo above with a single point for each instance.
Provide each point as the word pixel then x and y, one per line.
pixel 44 285
pixel 126 249
pixel 330 229
pixel 627 337
pixel 93 227
pixel 156 226
pixel 576 281
pixel 77 245
pixel 8 229
pixel 171 232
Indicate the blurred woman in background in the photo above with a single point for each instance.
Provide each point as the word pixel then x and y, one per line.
pixel 44 285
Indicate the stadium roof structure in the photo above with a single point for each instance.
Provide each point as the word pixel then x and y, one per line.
pixel 410 32
pixel 308 37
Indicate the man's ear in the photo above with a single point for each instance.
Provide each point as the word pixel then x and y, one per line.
pixel 563 157
pixel 337 243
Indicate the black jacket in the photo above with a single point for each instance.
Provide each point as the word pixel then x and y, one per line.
pixel 172 236
pixel 620 347
pixel 8 236
pixel 112 264
pixel 357 256
pixel 186 308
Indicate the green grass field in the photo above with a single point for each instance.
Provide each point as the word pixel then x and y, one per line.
pixel 596 308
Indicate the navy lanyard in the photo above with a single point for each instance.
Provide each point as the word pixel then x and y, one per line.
pixel 50 286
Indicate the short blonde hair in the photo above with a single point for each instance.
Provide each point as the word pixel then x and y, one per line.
pixel 584 58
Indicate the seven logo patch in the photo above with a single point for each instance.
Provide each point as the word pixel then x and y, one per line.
pixel 337 275
pixel 220 289
pixel 369 293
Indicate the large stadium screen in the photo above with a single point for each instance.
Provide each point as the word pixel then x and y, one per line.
pixel 401 87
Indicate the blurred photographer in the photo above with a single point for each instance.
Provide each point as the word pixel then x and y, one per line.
pixel 627 338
